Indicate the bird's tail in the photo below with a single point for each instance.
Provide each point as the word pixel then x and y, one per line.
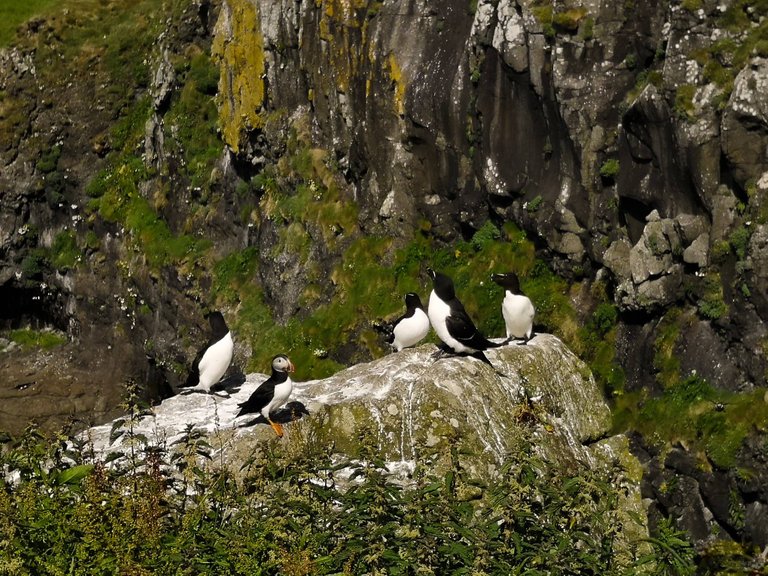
pixel 193 379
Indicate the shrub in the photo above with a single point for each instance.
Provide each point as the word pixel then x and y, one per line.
pixel 173 510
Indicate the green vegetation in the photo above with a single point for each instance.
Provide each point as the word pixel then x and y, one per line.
pixel 192 118
pixel 65 253
pixel 534 204
pixel 37 339
pixel 747 37
pixel 610 169
pixel 711 304
pixel 710 422
pixel 13 13
pixel 291 509
pixel 692 5
pixel 684 106
pixel 566 21
pixel 116 198
pixel 666 361
pixel 544 15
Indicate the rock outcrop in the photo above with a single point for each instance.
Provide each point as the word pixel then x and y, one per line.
pixel 410 402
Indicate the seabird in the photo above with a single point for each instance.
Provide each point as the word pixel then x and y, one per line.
pixel 411 328
pixel 516 308
pixel 451 322
pixel 272 393
pixel 214 358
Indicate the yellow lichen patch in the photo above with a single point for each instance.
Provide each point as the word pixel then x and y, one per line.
pixel 396 74
pixel 343 26
pixel 238 48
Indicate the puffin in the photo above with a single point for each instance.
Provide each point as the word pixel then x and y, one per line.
pixel 272 393
pixel 213 359
pixel 411 328
pixel 517 308
pixel 451 322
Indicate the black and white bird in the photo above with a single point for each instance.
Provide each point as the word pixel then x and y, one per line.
pixel 516 308
pixel 451 322
pixel 272 393
pixel 411 328
pixel 213 359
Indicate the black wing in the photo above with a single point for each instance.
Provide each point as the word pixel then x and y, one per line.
pixel 462 328
pixel 260 398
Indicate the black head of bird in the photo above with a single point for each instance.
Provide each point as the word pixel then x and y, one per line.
pixel 218 324
pixel 442 285
pixel 412 300
pixel 508 281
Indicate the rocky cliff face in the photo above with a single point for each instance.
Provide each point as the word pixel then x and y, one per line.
pixel 630 139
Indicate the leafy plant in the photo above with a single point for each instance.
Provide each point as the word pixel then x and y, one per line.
pixel 173 510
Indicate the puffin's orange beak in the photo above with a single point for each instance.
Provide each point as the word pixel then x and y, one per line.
pixel 291 367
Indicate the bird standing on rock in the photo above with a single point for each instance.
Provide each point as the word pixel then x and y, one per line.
pixel 517 308
pixel 451 322
pixel 411 328
pixel 213 359
pixel 272 393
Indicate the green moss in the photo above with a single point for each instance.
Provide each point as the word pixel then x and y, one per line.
pixel 711 304
pixel 666 360
pixel 34 263
pixel 49 160
pixel 587 29
pixel 544 16
pixel 127 134
pixel 117 199
pixel 535 204
pixel 65 253
pixel 234 272
pixel 726 56
pixel 684 106
pixel 569 20
pixel 192 120
pixel 37 339
pixel 692 5
pixel 709 421
pixel 203 74
pixel 739 241
pixel 610 169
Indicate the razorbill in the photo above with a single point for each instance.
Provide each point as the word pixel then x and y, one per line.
pixel 516 308
pixel 410 328
pixel 214 358
pixel 272 393
pixel 451 322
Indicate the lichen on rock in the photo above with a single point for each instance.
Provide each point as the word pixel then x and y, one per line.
pixel 239 48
